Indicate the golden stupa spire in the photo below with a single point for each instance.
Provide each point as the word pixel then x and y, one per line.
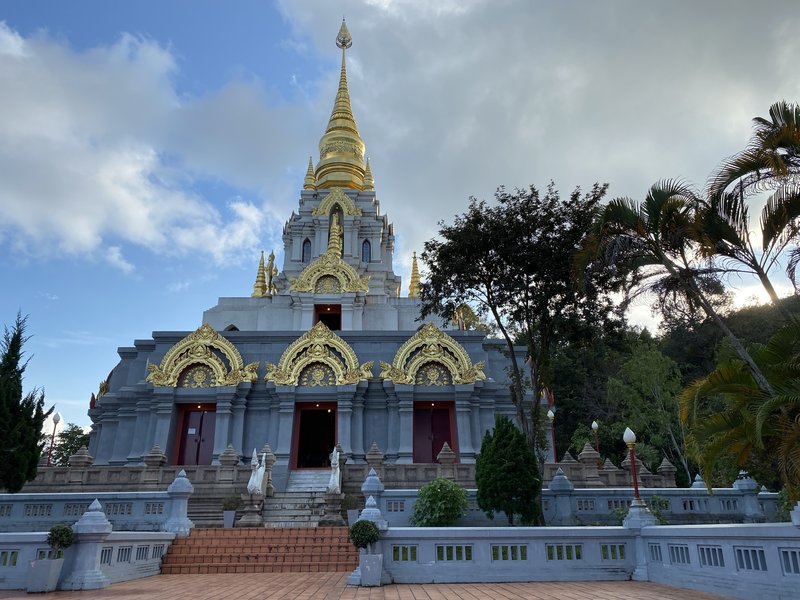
pixel 369 182
pixel 335 244
pixel 341 149
pixel 260 286
pixel 413 286
pixel 310 182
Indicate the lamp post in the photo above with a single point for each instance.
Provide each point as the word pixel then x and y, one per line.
pixel 630 440
pixel 551 415
pixel 596 439
pixel 56 419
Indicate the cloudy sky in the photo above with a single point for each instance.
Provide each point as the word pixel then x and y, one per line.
pixel 149 150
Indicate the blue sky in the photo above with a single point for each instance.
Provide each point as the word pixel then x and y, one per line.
pixel 150 150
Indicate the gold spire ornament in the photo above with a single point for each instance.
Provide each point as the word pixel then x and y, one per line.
pixel 413 286
pixel 310 182
pixel 341 149
pixel 369 182
pixel 270 272
pixel 335 245
pixel 260 286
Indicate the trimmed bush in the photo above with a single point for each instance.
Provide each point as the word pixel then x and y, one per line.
pixel 364 533
pixel 60 537
pixel 440 503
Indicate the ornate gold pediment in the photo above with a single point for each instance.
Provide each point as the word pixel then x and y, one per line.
pixel 329 274
pixel 318 358
pixel 336 196
pixel 207 348
pixel 426 354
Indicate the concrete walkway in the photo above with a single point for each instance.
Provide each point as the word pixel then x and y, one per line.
pixel 331 586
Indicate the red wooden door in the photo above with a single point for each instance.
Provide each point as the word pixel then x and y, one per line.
pixel 432 428
pixel 197 437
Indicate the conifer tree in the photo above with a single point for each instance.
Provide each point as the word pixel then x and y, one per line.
pixel 506 474
pixel 21 417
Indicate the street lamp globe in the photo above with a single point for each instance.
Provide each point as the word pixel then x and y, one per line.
pixel 629 437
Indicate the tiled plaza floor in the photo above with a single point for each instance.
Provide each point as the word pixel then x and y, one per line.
pixel 331 586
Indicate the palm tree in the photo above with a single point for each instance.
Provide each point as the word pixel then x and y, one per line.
pixel 750 420
pixel 771 161
pixel 655 246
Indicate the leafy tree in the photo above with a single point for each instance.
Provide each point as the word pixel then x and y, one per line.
pixel 513 261
pixel 771 161
pixel 440 503
pixel 727 414
pixel 68 442
pixel 654 245
pixel 21 417
pixel 506 473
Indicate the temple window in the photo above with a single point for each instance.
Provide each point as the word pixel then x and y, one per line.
pixel 307 251
pixel 366 251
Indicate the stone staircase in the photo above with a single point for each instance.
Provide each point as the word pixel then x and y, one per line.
pixel 261 550
pixel 308 480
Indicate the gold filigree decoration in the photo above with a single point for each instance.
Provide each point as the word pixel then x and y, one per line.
pixel 317 375
pixel 317 277
pixel 203 347
pixel 431 346
pixel 433 373
pixel 337 196
pixel 197 376
pixel 318 348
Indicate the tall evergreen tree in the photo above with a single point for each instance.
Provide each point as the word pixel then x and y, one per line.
pixel 506 474
pixel 21 417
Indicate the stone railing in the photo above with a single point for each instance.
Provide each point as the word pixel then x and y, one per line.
pixel 98 557
pixel 129 511
pixel 605 506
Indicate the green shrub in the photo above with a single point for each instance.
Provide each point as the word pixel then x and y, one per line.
pixel 440 503
pixel 231 503
pixel 351 502
pixel 364 533
pixel 60 537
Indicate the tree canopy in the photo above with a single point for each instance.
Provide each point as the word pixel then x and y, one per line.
pixel 21 417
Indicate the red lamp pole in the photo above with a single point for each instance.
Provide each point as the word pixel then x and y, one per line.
pixel 630 439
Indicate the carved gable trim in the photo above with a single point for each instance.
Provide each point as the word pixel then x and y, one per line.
pixel 198 348
pixel 318 345
pixel 337 196
pixel 432 345
pixel 332 265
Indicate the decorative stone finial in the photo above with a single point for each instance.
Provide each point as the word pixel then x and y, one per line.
pixel 81 458
pixel 335 242
pixel 155 458
pixel 229 457
pixel 369 182
pixel 374 456
pixel 446 455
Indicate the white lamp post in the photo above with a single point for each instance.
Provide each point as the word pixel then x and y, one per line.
pixel 630 440
pixel 551 415
pixel 56 420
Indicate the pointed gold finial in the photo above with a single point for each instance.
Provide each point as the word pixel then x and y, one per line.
pixel 269 274
pixel 260 286
pixel 341 149
pixel 335 244
pixel 369 182
pixel 310 182
pixel 413 286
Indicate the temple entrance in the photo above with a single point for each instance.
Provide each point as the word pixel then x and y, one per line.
pixel 433 426
pixel 197 423
pixel 315 435
pixel 329 314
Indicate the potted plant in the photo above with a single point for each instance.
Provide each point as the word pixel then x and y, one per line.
pixel 230 505
pixel 44 572
pixel 363 534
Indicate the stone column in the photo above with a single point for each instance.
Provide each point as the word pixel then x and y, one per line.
pixel 179 491
pixel 750 505
pixel 344 416
pixel 639 516
pixel 393 420
pixel 91 530
pixel 405 409
pixel 139 445
pixel 562 499
pixel 237 421
pixel 357 425
pixel 222 427
pixel 466 452
pixel 164 406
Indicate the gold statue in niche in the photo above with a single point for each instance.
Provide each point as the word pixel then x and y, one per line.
pixel 335 244
pixel 433 374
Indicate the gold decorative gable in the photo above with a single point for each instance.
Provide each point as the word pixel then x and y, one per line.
pixel 200 355
pixel 318 358
pixel 329 274
pixel 337 196
pixel 421 359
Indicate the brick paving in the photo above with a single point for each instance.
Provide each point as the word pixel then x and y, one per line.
pixel 332 586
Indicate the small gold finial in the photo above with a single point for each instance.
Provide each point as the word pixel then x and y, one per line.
pixel 413 286
pixel 270 273
pixel 369 182
pixel 343 39
pixel 335 240
pixel 310 182
pixel 260 286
